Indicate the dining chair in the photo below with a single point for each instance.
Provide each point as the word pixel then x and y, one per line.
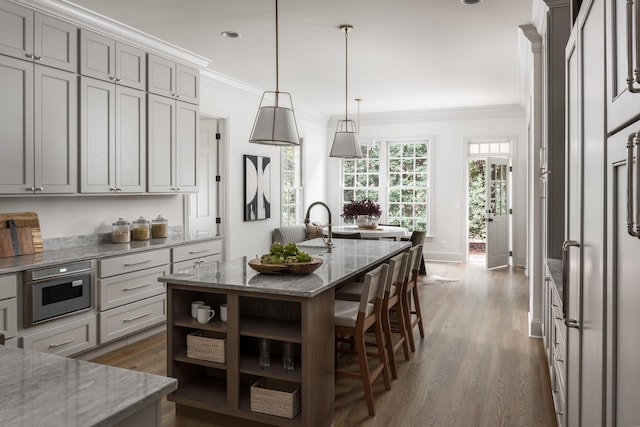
pixel 417 238
pixel 354 319
pixel 410 294
pixel 391 304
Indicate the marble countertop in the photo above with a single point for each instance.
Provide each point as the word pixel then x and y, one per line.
pixel 350 258
pixel 38 389
pixel 555 268
pixel 77 248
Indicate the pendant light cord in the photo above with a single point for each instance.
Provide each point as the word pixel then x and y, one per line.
pixel 277 89
pixel 346 73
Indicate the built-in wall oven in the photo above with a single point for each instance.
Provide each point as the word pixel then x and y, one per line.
pixel 58 291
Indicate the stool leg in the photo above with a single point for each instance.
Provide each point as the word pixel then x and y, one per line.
pixel 381 354
pixel 406 309
pixel 364 372
pixel 386 326
pixel 418 310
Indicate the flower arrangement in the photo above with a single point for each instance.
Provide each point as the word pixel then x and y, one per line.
pixel 362 207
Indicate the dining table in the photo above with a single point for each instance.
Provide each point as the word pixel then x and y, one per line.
pixel 380 232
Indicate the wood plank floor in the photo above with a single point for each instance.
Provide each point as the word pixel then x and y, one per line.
pixel 475 367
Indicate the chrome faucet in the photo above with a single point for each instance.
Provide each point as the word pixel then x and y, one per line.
pixel 329 242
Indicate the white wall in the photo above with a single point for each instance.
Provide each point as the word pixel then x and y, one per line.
pixel 449 129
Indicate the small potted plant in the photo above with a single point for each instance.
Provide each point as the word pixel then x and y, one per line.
pixel 366 213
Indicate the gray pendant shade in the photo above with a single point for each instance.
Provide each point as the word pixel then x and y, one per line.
pixel 274 124
pixel 346 143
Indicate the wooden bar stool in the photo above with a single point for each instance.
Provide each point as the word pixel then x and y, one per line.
pixel 353 319
pixel 411 293
pixel 391 303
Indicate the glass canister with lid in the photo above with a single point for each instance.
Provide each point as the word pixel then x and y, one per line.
pixel 140 229
pixel 120 231
pixel 159 227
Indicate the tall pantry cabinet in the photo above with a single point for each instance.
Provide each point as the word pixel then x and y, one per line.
pixel 623 211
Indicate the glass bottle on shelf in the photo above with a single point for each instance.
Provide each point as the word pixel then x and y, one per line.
pixel 265 357
pixel 287 357
pixel 120 232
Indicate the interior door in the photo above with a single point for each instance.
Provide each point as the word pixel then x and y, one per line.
pixel 497 197
pixel 202 205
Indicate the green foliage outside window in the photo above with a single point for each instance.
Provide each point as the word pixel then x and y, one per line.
pixel 477 203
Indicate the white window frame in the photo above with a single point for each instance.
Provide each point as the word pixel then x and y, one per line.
pixel 383 184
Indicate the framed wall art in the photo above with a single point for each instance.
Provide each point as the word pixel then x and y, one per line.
pixel 257 187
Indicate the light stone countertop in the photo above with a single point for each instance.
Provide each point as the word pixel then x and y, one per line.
pixel 350 258
pixel 78 248
pixel 40 389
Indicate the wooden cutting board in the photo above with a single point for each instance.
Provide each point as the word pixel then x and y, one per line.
pixel 28 234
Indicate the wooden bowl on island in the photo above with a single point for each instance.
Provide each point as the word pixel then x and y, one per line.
pixel 298 268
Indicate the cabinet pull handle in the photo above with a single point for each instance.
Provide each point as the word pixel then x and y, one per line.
pixel 39 189
pixel 559 413
pixel 560 360
pixel 137 263
pixel 630 63
pixel 572 323
pixel 117 79
pixel 568 244
pixel 70 340
pixel 32 189
pixel 112 78
pixel 630 224
pixel 177 95
pixel 139 316
pixel 38 58
pixel 198 252
pixel 112 189
pixel 636 139
pixel 29 55
pixel 136 287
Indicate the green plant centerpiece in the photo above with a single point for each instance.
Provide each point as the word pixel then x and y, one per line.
pixel 288 259
pixel 285 254
pixel 366 213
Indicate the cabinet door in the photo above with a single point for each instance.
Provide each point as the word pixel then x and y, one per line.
pixel 55 43
pixel 161 145
pixel 97 56
pixel 16 30
pixel 623 105
pixel 162 76
pixel 56 135
pixel 97 136
pixel 187 125
pixel 623 292
pixel 188 84
pixel 131 143
pixel 16 122
pixel 131 67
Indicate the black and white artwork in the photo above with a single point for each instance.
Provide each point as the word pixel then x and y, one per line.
pixel 257 187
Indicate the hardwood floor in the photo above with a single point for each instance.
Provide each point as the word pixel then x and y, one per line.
pixel 476 365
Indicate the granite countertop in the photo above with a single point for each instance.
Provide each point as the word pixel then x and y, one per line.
pixel 77 248
pixel 350 258
pixel 42 389
pixel 555 268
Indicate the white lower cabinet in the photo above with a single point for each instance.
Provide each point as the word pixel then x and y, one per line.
pixel 65 339
pixel 8 306
pixel 126 288
pixel 195 255
pixel 127 319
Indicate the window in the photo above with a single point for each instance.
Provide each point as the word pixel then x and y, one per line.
pixel 395 174
pixel 291 179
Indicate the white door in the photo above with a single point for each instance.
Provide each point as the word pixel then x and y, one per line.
pixel 497 203
pixel 203 204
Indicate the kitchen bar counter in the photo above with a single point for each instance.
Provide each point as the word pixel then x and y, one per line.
pixel 57 251
pixel 278 310
pixel 350 258
pixel 41 389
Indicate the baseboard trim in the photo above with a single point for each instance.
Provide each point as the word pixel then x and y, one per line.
pixel 535 327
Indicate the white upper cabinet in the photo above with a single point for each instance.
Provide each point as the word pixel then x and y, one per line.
pixel 33 36
pixel 38 114
pixel 168 78
pixel 107 59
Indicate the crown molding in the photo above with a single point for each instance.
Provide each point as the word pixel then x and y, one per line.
pixel 86 18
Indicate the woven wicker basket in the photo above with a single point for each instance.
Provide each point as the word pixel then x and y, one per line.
pixel 274 397
pixel 206 345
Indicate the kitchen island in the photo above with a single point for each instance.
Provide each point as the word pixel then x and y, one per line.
pixel 283 309
pixel 41 389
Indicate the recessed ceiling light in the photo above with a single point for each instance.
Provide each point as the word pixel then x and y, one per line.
pixel 470 2
pixel 230 34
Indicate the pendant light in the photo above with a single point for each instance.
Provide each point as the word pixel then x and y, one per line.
pixel 275 123
pixel 346 143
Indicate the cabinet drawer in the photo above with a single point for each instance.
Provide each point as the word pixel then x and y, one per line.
pixel 64 340
pixel 130 287
pixel 135 262
pixel 8 286
pixel 121 321
pixel 9 317
pixel 559 402
pixel 191 264
pixel 196 250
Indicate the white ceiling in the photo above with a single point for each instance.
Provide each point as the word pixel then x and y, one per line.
pixel 403 54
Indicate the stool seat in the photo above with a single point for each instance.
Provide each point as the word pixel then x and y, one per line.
pixel 346 312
